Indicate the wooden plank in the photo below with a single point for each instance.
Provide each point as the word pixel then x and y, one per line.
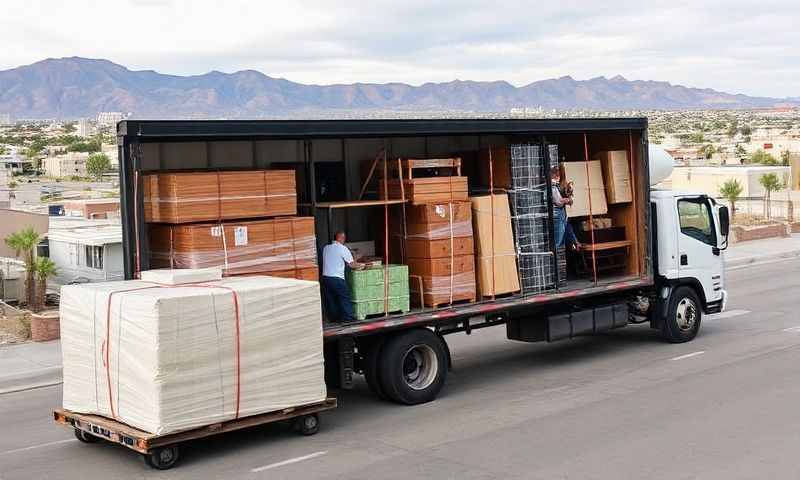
pixel 360 203
pixel 597 247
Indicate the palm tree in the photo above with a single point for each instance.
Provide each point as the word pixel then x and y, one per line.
pixel 24 243
pixel 731 190
pixel 770 182
pixel 44 268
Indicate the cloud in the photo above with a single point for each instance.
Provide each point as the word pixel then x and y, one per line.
pixel 737 46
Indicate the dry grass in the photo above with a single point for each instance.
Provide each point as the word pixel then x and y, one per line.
pixel 15 326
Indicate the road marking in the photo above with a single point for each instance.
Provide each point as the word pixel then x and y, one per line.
pixel 288 462
pixel 727 314
pixel 689 355
pixel 39 446
pixel 792 329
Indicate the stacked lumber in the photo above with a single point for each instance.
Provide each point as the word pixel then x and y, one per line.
pixel 428 190
pixel 164 358
pixel 185 197
pixel 280 247
pixel 497 260
pixel 440 250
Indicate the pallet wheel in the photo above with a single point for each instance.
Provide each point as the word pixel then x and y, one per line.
pixel 307 424
pixel 85 437
pixel 162 458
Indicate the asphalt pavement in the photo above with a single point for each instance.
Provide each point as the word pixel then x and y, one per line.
pixel 623 405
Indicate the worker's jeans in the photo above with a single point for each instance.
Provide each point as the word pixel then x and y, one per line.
pixel 336 298
pixel 562 230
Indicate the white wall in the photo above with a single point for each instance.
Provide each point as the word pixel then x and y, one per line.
pixel 70 259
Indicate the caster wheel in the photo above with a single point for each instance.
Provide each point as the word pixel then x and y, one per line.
pixel 307 425
pixel 162 458
pixel 86 437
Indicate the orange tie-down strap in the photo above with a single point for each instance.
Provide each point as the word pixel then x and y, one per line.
pixel 106 347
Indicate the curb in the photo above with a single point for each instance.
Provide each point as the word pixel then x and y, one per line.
pixel 44 377
pixel 753 259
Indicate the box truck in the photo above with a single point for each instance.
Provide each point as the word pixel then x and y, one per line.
pixel 646 256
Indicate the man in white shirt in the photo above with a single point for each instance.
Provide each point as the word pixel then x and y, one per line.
pixel 335 292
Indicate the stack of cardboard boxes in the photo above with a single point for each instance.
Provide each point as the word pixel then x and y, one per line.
pixel 216 219
pixel 439 249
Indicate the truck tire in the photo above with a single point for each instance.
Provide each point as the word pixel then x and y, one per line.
pixel 683 316
pixel 86 437
pixel 372 368
pixel 413 367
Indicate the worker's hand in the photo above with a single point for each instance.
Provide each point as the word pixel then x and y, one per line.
pixel 357 266
pixel 570 201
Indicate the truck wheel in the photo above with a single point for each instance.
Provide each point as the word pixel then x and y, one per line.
pixel 413 367
pixel 162 458
pixel 307 424
pixel 85 437
pixel 372 369
pixel 683 316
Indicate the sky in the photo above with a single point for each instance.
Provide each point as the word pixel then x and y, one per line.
pixel 750 47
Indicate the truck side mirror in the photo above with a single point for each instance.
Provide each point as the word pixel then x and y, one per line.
pixel 724 220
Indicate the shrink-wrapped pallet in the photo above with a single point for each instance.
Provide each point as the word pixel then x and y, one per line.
pixel 277 247
pixel 184 197
pixel 165 358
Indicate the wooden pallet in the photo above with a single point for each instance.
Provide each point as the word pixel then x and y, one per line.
pixel 462 301
pixel 143 442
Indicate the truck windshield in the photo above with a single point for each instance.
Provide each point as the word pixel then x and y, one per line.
pixel 696 220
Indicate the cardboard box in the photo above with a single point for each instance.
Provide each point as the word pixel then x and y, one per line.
pixel 441 266
pixel 419 248
pixel 496 256
pixel 442 212
pixel 587 182
pixel 617 176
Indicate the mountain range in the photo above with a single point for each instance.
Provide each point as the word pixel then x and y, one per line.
pixel 80 87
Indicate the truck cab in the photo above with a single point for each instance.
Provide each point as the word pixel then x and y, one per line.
pixel 690 233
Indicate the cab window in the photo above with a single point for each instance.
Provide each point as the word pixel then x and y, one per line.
pixel 696 220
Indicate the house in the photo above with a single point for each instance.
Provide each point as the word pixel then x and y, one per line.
pixel 67 165
pixel 93 208
pixel 12 221
pixel 13 164
pixel 86 251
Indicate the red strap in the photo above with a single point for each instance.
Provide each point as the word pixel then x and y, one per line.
pixel 106 347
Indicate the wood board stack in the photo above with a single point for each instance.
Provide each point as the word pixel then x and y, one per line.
pixel 217 219
pixel 439 248
pixel 420 191
pixel 164 356
pixel 280 247
pixel 589 193
pixel 185 197
pixel 494 239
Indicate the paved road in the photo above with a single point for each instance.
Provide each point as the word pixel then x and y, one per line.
pixel 618 406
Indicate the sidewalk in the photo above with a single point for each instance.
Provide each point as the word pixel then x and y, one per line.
pixel 755 251
pixel 32 365
pixel 29 365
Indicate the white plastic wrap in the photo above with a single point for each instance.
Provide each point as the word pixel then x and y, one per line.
pixel 171 358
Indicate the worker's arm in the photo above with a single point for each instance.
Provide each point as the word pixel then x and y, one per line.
pixel 350 262
pixel 558 200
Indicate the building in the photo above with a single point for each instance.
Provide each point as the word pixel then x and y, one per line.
pixel 109 119
pixel 710 179
pixel 12 163
pixel 12 221
pixel 93 208
pixel 67 165
pixel 84 128
pixel 85 251
pixel 112 152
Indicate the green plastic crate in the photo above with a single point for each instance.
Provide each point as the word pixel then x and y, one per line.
pixel 367 284
pixel 364 308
